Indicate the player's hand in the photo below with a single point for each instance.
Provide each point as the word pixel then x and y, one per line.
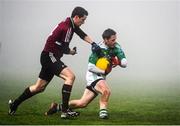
pixel 73 51
pixel 115 61
pixel 108 70
pixel 95 48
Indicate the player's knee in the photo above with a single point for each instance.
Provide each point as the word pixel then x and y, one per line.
pixel 71 78
pixel 40 88
pixel 106 92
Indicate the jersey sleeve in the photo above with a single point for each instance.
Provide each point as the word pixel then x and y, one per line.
pixel 119 52
pixel 94 69
pixel 93 58
pixel 80 32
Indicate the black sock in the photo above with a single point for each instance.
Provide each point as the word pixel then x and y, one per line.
pixel 25 95
pixel 66 92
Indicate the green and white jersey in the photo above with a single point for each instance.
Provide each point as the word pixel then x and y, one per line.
pixel 94 73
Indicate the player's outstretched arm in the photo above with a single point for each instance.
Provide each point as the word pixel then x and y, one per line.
pixel 88 39
pixel 95 48
pixel 94 69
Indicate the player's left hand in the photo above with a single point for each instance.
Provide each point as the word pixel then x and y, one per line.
pixel 108 70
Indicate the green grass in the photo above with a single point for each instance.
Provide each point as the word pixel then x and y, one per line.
pixel 130 103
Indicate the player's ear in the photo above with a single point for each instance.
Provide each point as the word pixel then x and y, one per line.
pixel 105 40
pixel 76 17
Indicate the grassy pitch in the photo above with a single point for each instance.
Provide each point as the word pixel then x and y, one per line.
pixel 130 103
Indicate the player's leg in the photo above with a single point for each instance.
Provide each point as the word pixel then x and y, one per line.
pixel 53 108
pixel 45 77
pixel 86 98
pixel 103 88
pixel 69 78
pixel 38 87
pixel 89 94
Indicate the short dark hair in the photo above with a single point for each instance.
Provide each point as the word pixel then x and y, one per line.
pixel 108 33
pixel 79 11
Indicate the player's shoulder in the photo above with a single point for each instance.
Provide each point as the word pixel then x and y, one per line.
pixel 65 24
pixel 117 48
pixel 66 21
pixel 117 45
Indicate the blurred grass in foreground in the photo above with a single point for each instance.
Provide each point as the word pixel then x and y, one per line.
pixel 131 102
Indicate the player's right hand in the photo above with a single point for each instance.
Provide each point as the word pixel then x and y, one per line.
pixel 95 48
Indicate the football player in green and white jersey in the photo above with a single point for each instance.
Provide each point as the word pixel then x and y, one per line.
pixel 96 75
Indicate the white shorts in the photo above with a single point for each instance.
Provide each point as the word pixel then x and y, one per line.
pixel 91 77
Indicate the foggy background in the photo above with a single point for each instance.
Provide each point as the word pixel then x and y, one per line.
pixel 148 31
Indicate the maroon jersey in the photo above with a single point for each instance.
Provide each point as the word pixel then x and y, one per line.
pixel 59 39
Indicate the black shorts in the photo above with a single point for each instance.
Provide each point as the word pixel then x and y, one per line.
pixel 51 65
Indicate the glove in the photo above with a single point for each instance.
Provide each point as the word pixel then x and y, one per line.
pixel 96 49
pixel 115 61
pixel 74 51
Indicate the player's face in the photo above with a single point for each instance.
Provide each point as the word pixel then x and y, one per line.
pixel 78 21
pixel 111 41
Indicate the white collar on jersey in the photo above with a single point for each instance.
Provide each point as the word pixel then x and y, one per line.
pixel 72 22
pixel 102 45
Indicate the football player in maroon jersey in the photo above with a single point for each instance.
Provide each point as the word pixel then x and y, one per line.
pixel 56 46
